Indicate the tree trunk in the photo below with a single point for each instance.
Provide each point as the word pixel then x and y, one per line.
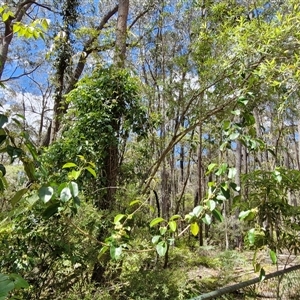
pixel 121 33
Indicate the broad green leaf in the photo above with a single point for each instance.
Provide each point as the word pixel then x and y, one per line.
pixel 73 175
pixel 243 100
pixel 156 221
pixel 61 187
pixel 69 165
pixel 81 157
pixel 211 204
pixel 234 136
pixel 19 281
pixel 118 218
pixel 222 169
pixel 226 124
pixel 197 210
pixel 134 202
pixel 173 226
pixel 217 215
pixel 6 286
pixel 65 194
pixel 210 168
pixel 45 193
pixel 248 215
pixel 92 171
pixel 163 230
pixel 74 189
pixel 92 164
pixel 115 252
pixel 162 248
pixel 18 196
pixel 76 201
pixel 51 210
pixel 207 219
pixel 273 257
pixel 194 228
pixel 221 197
pixel 244 214
pixel 224 146
pixel 235 187
pixel 236 112
pixel 155 239
pixel 231 173
pixel 175 217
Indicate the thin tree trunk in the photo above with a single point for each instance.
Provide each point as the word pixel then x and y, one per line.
pixel 121 33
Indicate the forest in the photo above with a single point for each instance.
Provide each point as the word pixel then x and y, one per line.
pixel 148 148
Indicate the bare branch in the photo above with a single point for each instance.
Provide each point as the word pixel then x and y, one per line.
pixel 21 75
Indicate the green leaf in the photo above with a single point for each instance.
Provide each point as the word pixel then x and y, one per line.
pixel 251 236
pixel 221 197
pixel 6 286
pixel 69 165
pixel 262 275
pixel 134 202
pixel 210 168
pixel 243 100
pixel 163 230
pixel 3 120
pixel 76 201
pixel 45 193
pixel 156 221
pixel 20 283
pixel 197 210
pixel 173 226
pixel 155 239
pixel 103 250
pixel 236 112
pixel 217 215
pixel 51 210
pixel 92 171
pixel 162 248
pixel 234 136
pixel 248 215
pixel 211 204
pixel 231 173
pixel 65 194
pixel 222 169
pixel 226 124
pixel 234 186
pixel 118 218
pixel 73 175
pixel 74 189
pixel 115 252
pixel 273 257
pixel 18 196
pixel 194 228
pixel 175 217
pixel 244 214
pixel 207 219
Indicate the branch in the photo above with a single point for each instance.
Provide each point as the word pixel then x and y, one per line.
pixel 87 50
pixel 19 76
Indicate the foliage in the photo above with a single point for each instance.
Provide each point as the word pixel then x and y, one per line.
pixel 200 146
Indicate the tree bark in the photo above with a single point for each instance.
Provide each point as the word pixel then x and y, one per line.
pixel 121 33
